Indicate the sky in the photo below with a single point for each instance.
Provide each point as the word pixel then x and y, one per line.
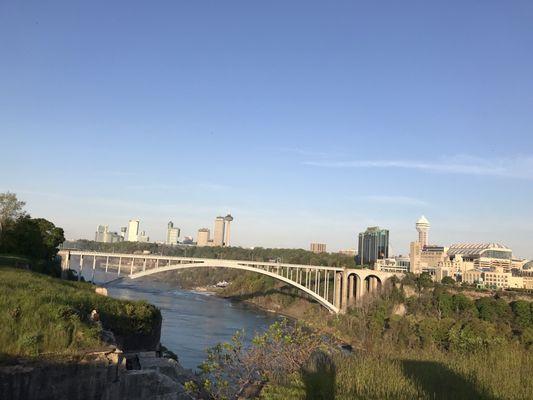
pixel 307 120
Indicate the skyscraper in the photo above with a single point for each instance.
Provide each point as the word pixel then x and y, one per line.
pixel 373 245
pixel 228 218
pixel 100 233
pixel 203 237
pixel 422 226
pixel 133 230
pixel 172 234
pixel 218 236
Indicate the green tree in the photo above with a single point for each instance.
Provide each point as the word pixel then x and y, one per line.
pixel 522 313
pixel 10 208
pixel 448 280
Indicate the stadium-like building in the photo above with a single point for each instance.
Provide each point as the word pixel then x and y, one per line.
pixel 483 255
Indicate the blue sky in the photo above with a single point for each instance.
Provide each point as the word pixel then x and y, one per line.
pixel 307 120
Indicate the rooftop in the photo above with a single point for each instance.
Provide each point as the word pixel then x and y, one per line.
pixel 475 248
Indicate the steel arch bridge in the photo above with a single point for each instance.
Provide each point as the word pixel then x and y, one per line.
pixel 334 288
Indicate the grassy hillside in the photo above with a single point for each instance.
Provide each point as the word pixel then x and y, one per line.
pixel 40 314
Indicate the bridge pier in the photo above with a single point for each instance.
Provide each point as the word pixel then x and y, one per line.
pixel 344 300
pixel 81 267
pixel 351 279
pixel 64 255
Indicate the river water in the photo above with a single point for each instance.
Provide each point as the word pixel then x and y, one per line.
pixel 193 321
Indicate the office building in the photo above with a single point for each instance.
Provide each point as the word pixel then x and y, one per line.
pixel 318 247
pixel 103 235
pixel 100 232
pixel 218 236
pixel 422 226
pixel 373 245
pixel 173 234
pixel 203 237
pixel 133 230
pixel 143 237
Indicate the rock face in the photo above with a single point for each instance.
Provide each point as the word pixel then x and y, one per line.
pixel 97 376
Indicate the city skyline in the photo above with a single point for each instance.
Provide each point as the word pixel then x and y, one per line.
pixel 364 116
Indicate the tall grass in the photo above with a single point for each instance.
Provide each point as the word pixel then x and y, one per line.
pixel 502 373
pixel 40 314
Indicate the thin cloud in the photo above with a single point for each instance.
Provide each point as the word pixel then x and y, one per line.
pixel 518 167
pixel 398 200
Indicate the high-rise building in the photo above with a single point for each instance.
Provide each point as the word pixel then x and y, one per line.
pixel 203 237
pixel 218 236
pixel 100 232
pixel 123 231
pixel 318 247
pixel 143 237
pixel 103 235
pixel 173 234
pixel 228 219
pixel 373 245
pixel 133 230
pixel 422 226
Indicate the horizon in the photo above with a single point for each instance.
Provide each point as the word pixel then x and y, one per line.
pixel 307 121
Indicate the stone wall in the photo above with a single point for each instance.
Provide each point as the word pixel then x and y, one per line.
pixel 96 376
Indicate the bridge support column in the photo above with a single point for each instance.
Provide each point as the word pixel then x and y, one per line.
pixel 81 268
pixel 65 262
pixel 131 268
pixel 106 263
pixel 350 289
pixel 94 268
pixel 359 289
pixel 119 264
pixel 337 280
pixel 344 296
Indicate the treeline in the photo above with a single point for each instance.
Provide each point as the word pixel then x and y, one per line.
pixel 34 240
pixel 439 319
pixel 292 256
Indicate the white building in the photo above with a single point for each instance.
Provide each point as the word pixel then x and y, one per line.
pixel 173 234
pixel 133 230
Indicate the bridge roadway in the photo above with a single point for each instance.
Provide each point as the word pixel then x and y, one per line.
pixel 334 288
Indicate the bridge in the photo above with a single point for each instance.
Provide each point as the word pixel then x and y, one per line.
pixel 335 288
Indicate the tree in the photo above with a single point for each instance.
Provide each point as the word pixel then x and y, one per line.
pixel 35 238
pixel 447 280
pixel 10 208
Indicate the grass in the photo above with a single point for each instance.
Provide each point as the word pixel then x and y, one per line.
pixel 43 315
pixel 502 373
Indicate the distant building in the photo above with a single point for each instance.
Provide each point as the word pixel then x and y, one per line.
pixel 203 237
pixel 133 230
pixel 218 236
pixel 397 264
pixel 348 252
pixel 143 237
pixel 425 257
pixel 318 247
pixel 227 233
pixel 187 240
pixel 103 235
pixel 123 231
pixel 422 226
pixel 373 245
pixel 173 234
pixel 484 255
pixel 100 232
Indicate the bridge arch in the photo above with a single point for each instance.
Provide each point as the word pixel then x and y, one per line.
pixel 329 306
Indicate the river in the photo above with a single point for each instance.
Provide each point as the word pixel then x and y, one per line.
pixel 193 321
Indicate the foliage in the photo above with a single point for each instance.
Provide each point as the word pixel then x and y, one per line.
pixel 274 355
pixel 11 208
pixel 36 239
pixel 41 314
pixel 448 280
